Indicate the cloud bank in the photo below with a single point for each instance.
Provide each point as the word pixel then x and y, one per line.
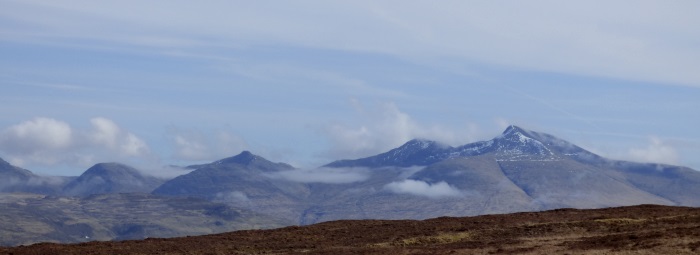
pixel 421 188
pixel 48 141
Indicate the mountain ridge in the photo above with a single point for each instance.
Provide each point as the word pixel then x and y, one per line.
pixel 111 178
pixel 510 144
pixel 517 171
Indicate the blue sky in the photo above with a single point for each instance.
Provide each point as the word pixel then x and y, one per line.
pixel 307 82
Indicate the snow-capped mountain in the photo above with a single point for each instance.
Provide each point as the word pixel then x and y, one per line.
pixel 514 144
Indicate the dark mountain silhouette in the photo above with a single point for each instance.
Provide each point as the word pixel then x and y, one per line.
pixel 111 178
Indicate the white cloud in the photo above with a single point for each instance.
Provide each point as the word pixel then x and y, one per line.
pixel 108 134
pixel 133 146
pixel 421 188
pixel 323 175
pixel 37 135
pixel 232 197
pixel 385 128
pixel 656 152
pixel 50 142
pixel 105 132
pixel 198 145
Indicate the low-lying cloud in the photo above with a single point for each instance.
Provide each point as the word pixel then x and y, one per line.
pixel 323 175
pixel 231 197
pixel 421 188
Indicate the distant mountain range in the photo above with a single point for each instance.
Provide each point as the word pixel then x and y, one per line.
pixel 520 170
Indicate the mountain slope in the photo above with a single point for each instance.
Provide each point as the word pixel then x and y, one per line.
pixel 111 178
pixel 519 170
pixel 16 179
pixel 242 180
pixel 29 218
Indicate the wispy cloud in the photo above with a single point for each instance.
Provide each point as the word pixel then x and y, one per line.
pixel 630 40
pixel 56 86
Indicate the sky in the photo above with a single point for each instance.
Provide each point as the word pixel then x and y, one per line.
pixel 158 83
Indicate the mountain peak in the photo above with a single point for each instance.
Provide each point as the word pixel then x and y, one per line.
pixel 248 159
pixel 110 169
pixel 420 144
pixel 519 144
pixel 243 158
pixel 414 152
pixel 515 130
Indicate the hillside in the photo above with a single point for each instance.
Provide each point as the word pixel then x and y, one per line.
pixel 16 179
pixel 644 229
pixel 107 178
pixel 32 218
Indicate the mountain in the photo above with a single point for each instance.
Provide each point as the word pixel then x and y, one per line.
pixel 519 170
pixel 31 218
pixel 111 178
pixel 514 144
pixel 16 179
pixel 242 180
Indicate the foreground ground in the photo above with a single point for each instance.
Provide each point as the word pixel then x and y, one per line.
pixel 645 229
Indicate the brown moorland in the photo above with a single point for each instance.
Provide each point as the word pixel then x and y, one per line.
pixel 643 229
